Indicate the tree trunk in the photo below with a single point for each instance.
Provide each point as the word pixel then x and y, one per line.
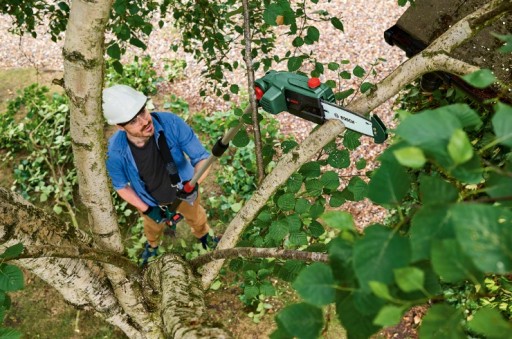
pixel 172 296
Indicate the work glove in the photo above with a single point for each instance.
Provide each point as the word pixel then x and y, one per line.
pixel 155 213
pixel 191 197
pixel 172 220
pixel 149 252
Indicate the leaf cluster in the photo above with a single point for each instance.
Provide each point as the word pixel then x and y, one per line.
pixel 11 280
pixel 447 180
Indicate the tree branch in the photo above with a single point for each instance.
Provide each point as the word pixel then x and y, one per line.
pixel 250 90
pixel 252 252
pixel 80 252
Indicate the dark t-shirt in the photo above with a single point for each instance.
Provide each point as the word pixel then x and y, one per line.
pixel 152 171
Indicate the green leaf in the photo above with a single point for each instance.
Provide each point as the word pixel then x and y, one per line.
pixel 358 71
pixel 389 184
pixel 490 324
pixel 298 238
pixel 114 51
pixel 138 43
pixel 410 157
pixel 302 320
pixel 278 231
pixel 294 222
pixel 389 315
pixel 361 164
pixel 12 251
pixel 315 284
pixel 234 89
pixel 286 202
pixel 381 290
pixel 427 225
pixel 480 79
pixel 507 39
pixel 365 87
pixel 344 94
pixel 442 321
pixel 339 158
pixel 459 147
pixel 9 333
pixel 466 115
pixel 345 75
pixel 337 199
pixel 333 66
pixel 313 187
pixel 251 291
pixel 310 169
pixel 11 278
pixel 241 139
pixel 358 187
pixel 351 140
pixel 294 183
pixel 436 191
pixel 485 235
pixel 498 186
pixel 330 180
pixel 337 24
pixel 302 206
pixel 502 124
pixel 378 253
pixel 410 279
pixel 340 220
pixel 312 33
pixel 294 63
pixel 357 323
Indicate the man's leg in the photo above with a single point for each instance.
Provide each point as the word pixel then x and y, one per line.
pixel 152 230
pixel 195 217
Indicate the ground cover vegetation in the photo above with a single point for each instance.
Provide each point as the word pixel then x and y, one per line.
pixel 445 178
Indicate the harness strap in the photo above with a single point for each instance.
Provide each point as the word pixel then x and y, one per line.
pixel 170 165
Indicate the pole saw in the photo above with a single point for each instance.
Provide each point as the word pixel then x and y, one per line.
pixel 304 97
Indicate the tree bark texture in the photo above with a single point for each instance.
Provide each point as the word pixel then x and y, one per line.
pixel 434 58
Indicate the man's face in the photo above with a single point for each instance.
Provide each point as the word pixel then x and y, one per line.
pixel 141 125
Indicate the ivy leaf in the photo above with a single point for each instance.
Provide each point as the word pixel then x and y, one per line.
pixel 459 147
pixel 442 321
pixel 389 184
pixel 411 156
pixel 490 324
pixel 480 79
pixel 302 320
pixel 378 253
pixel 315 284
pixel 502 124
pixel 340 220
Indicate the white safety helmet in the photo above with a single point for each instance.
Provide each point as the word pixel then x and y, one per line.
pixel 121 103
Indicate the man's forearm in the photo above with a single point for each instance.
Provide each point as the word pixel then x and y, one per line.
pixel 129 195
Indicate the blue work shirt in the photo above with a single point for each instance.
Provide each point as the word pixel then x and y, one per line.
pixel 181 140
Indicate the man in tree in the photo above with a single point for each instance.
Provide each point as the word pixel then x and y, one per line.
pixel 149 160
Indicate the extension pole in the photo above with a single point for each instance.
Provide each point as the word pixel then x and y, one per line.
pixel 218 149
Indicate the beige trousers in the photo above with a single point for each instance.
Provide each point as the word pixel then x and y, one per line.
pixel 195 217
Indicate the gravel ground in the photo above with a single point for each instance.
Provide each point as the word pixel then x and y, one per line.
pixel 361 43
